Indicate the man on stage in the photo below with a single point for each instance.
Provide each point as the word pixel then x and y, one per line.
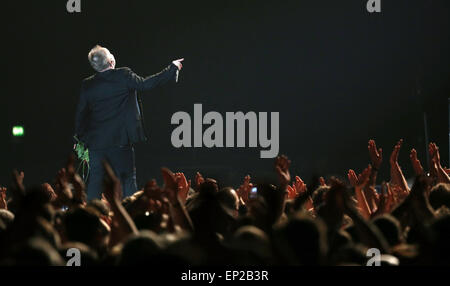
pixel 109 118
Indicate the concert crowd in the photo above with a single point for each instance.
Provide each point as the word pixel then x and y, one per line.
pixel 329 221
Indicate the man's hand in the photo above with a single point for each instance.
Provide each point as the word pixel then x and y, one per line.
pixel 178 63
pixel 376 155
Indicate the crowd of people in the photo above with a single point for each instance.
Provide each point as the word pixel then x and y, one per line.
pixel 200 221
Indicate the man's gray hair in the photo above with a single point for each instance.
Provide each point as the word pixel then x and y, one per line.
pixel 98 57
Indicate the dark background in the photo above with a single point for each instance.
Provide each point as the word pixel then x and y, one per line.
pixel 337 74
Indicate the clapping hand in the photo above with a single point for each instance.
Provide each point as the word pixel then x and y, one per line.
pixel 282 164
pixel 442 175
pixel 376 155
pixel 199 180
pixel 244 190
pixel 417 166
pixel 3 204
pixel 113 189
pixel 361 180
pixel 183 185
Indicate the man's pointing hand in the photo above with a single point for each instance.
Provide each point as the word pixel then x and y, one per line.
pixel 178 63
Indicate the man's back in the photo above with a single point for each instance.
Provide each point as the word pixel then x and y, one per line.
pixel 109 113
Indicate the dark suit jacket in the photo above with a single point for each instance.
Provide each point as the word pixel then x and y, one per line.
pixel 109 112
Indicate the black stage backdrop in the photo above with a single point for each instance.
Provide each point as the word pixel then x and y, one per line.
pixel 337 74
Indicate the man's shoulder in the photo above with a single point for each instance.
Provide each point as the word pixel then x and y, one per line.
pixel 89 78
pixel 124 70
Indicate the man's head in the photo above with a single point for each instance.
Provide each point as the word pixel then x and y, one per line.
pixel 101 59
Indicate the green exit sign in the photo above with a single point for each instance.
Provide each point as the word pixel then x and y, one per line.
pixel 18 131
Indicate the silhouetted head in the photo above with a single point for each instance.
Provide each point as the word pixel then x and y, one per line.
pixel 229 199
pixel 440 196
pixel 441 245
pixel 101 59
pixel 100 206
pixel 35 251
pixel 390 228
pixel 210 212
pixel 141 249
pixel 6 217
pixel 84 225
pixel 252 245
pixel 319 196
pixel 302 240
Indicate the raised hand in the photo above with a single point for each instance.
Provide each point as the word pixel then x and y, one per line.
pixel 434 152
pixel 394 155
pixel 112 187
pixel 282 164
pixel 386 200
pixel 417 166
pixel 50 192
pixel 178 213
pixel 442 175
pixel 292 194
pixel 352 178
pixel 199 179
pixel 300 189
pixel 18 189
pixel 398 193
pixel 376 155
pixel 244 190
pixel 359 183
pixel 178 63
pixel 397 177
pixel 183 186
pixel 361 180
pixel 62 189
pixel 3 204
pixel 170 189
pixel 122 225
pixel 78 191
pixel 299 186
pixel 322 182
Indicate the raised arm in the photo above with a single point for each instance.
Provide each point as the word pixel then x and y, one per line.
pixel 137 82
pixel 442 175
pixel 359 182
pixel 122 224
pixel 397 177
pixel 376 156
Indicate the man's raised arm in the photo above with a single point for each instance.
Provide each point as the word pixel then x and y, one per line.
pixel 137 82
